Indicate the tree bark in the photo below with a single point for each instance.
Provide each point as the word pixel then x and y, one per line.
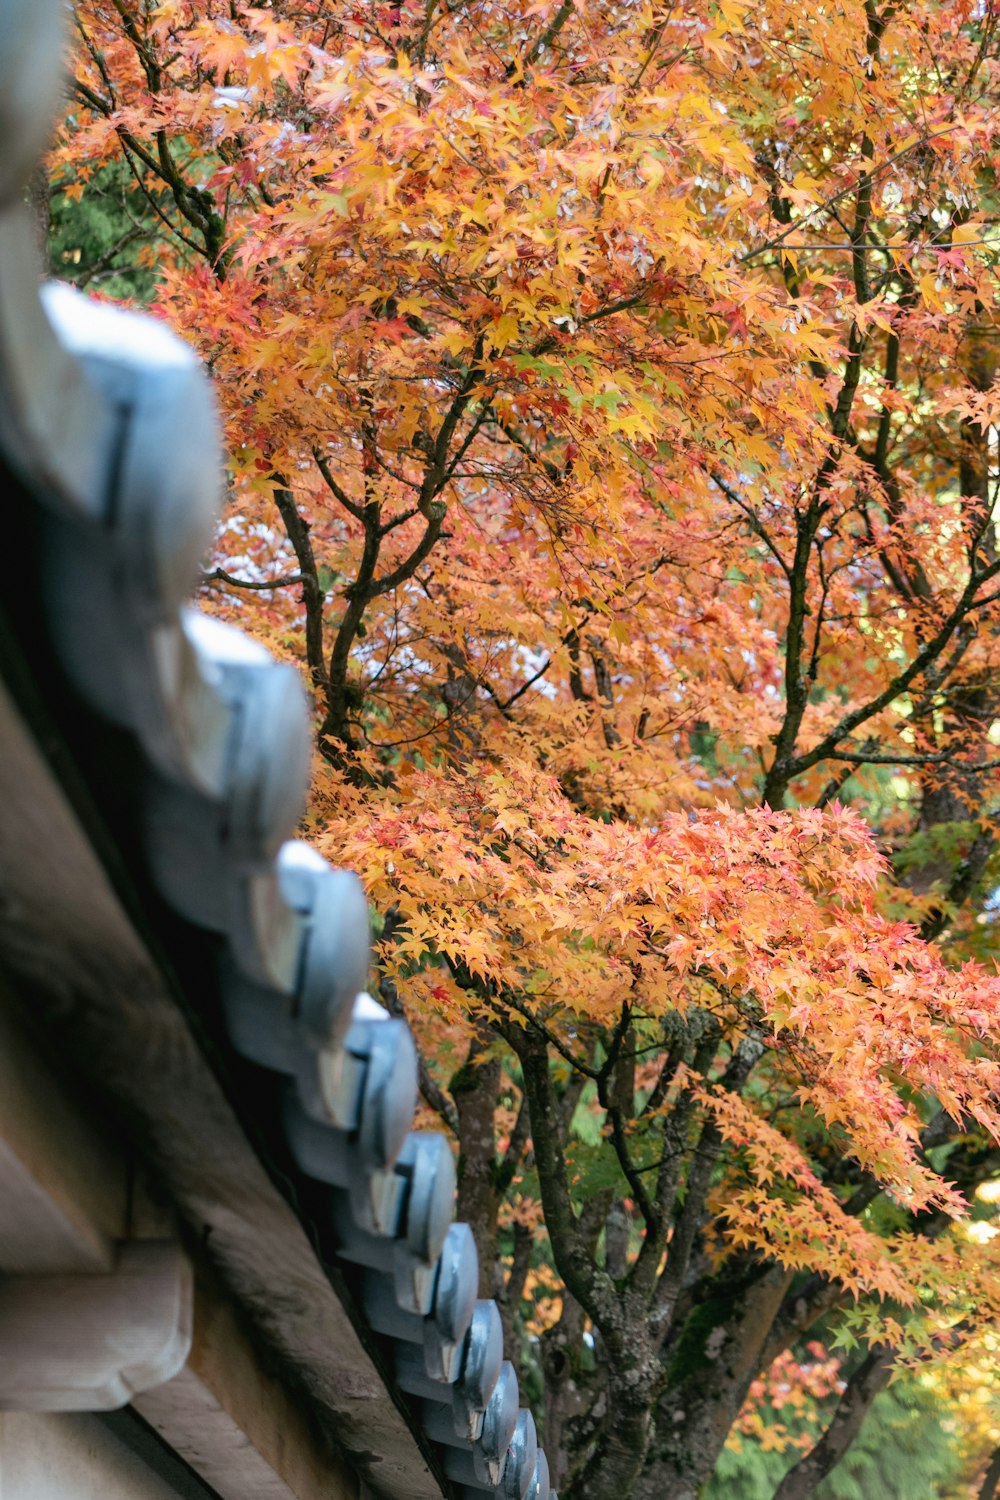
pixel 509 1292
pixel 566 1396
pixel 474 1089
pixel 297 530
pixel 613 1467
pixel 711 1365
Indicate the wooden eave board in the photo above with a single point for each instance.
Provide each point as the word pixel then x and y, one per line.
pixel 102 1004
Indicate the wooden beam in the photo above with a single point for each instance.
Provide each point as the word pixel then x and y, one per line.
pixel 63 1193
pixel 236 1425
pixel 101 997
pixel 79 1458
pixel 90 1342
pixel 88 1322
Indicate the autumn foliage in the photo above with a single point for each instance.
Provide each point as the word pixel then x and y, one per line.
pixel 610 403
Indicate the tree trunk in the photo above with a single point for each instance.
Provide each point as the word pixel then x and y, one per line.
pixel 566 1396
pixel 474 1089
pixel 509 1292
pixel 615 1463
pixel 710 1370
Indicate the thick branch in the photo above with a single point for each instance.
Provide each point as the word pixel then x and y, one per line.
pixel 699 1180
pixel 474 1088
pixel 409 565
pixel 676 1131
pixel 336 489
pixel 590 1285
pixel 968 872
pixel 297 531
pixel 901 682
pixel 862 1388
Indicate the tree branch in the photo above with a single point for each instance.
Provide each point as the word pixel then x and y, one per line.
pixel 590 1285
pixel 545 39
pixel 706 1153
pixel 336 489
pixel 864 1385
pixel 297 531
pixel 899 684
pixel 265 585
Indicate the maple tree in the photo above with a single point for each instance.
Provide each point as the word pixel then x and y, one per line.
pixel 610 402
